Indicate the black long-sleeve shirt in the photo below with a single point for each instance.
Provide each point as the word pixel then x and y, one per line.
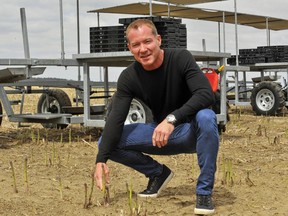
pixel 177 87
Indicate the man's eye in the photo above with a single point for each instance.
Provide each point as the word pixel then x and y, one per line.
pixel 135 45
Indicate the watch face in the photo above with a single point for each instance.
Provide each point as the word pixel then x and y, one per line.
pixel 171 119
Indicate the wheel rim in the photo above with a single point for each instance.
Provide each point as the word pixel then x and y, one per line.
pixel 265 100
pixel 136 113
pixel 52 107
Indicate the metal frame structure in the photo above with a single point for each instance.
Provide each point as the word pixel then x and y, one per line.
pixel 106 60
pixel 180 9
pixel 261 68
pixel 125 58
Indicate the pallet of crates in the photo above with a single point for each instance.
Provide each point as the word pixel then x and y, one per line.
pixel 107 39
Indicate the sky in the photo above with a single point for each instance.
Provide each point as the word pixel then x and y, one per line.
pixel 43 24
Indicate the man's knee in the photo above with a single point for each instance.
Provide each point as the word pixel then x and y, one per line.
pixel 206 118
pixel 206 115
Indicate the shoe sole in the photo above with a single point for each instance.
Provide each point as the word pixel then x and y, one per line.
pixel 203 211
pixel 160 189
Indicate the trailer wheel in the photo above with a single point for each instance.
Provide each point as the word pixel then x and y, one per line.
pixel 139 112
pixel 267 98
pixel 1 113
pixel 57 99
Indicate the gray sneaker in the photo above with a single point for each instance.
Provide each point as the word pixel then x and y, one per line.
pixel 204 205
pixel 157 184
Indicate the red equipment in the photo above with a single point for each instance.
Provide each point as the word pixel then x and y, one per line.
pixel 212 76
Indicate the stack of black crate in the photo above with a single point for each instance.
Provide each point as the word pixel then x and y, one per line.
pixel 276 53
pixel 112 38
pixel 267 52
pixel 107 39
pixel 172 31
pixel 262 54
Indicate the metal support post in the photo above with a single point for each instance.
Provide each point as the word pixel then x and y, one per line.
pixel 25 39
pixel 223 96
pixel 106 84
pixel 236 87
pixel 236 32
pixel 61 30
pixel 267 31
pixel 6 103
pixel 100 68
pixel 86 87
pixel 25 33
pixel 224 32
pixel 78 38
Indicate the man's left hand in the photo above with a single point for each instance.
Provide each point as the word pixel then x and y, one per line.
pixel 162 133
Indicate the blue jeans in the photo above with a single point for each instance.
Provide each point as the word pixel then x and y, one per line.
pixel 200 136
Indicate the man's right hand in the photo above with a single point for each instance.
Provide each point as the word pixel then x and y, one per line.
pixel 98 174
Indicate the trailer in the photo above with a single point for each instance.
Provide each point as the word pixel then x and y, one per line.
pixel 54 106
pixel 267 94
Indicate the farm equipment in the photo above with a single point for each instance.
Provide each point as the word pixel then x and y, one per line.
pixel 54 107
pixel 267 94
pixel 213 77
pixel 268 97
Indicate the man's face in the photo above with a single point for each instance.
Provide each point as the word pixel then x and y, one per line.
pixel 145 47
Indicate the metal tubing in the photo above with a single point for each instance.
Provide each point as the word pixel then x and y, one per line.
pixel 61 30
pixel 224 32
pixel 219 37
pixel 25 33
pixel 236 32
pixel 78 38
pixel 223 95
pixel 86 88
pixel 100 68
pixel 25 39
pixel 267 31
pixel 6 103
pixel 106 83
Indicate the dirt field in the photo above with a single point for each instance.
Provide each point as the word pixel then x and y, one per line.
pixel 52 168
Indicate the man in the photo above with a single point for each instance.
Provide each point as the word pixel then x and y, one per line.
pixel 170 82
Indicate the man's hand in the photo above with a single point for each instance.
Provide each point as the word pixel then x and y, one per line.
pixel 161 133
pixel 98 174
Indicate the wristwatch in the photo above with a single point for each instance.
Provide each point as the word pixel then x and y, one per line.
pixel 171 119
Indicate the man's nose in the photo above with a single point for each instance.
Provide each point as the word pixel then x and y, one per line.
pixel 143 47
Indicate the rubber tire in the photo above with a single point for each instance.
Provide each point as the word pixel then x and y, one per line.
pixel 1 113
pixel 58 99
pixel 267 98
pixel 144 109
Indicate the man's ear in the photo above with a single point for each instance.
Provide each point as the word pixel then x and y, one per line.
pixel 128 45
pixel 159 39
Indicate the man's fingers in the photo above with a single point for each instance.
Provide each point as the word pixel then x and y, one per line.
pixel 101 168
pixel 159 139
pixel 98 179
pixel 106 173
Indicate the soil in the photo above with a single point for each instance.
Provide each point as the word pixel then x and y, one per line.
pixel 53 170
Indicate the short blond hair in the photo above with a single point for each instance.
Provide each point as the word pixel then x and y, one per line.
pixel 140 22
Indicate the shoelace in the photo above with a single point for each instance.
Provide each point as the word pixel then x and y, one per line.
pixel 152 183
pixel 204 200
